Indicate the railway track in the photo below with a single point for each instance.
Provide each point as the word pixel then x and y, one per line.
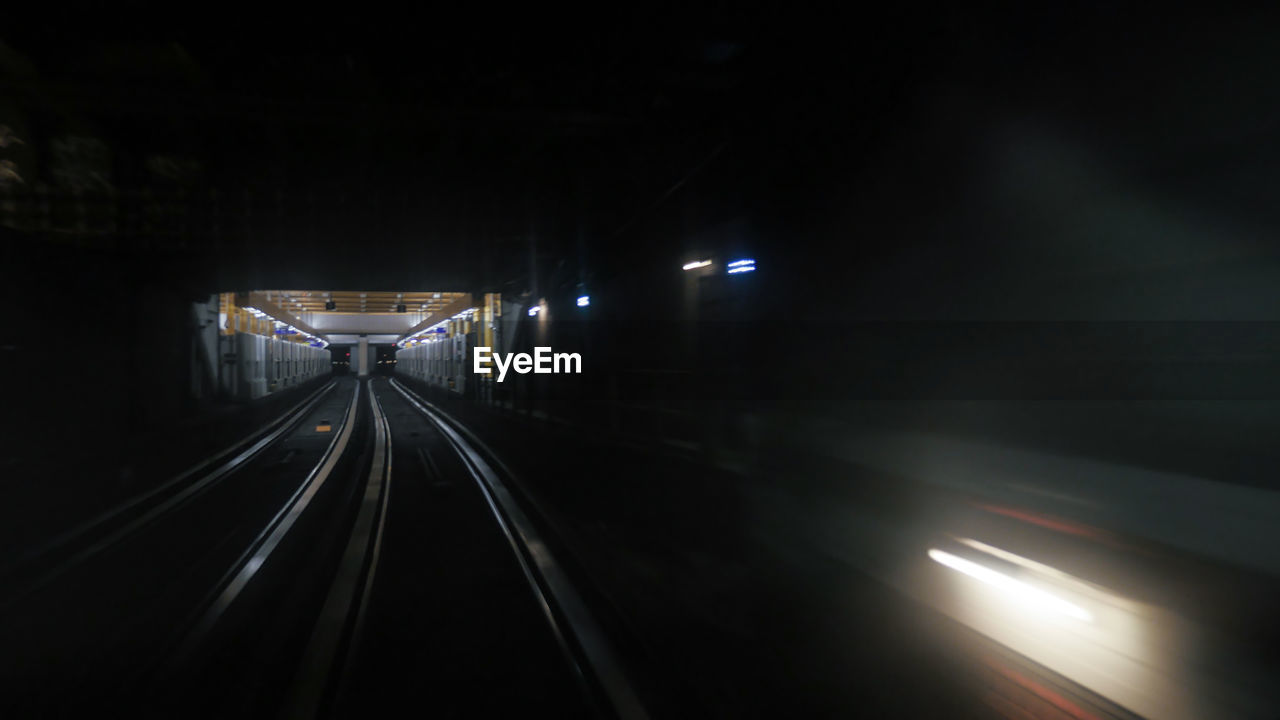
pixel 262 581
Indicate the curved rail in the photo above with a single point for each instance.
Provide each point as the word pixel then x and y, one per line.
pixel 591 654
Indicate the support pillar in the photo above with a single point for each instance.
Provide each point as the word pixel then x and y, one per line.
pixel 362 358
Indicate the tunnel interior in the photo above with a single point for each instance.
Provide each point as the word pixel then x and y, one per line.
pixel 646 362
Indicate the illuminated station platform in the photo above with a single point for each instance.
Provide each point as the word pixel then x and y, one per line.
pixel 354 322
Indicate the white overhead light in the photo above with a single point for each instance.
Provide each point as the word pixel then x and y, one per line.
pixel 584 301
pixel 696 264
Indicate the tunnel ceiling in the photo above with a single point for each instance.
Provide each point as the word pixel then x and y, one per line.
pixel 386 151
pixel 415 156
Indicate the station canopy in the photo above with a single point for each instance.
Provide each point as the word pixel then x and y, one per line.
pixel 375 315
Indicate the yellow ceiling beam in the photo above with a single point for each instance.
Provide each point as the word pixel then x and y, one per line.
pixel 259 300
pixel 466 302
pixel 376 302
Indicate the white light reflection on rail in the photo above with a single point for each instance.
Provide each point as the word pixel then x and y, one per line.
pixel 1021 591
